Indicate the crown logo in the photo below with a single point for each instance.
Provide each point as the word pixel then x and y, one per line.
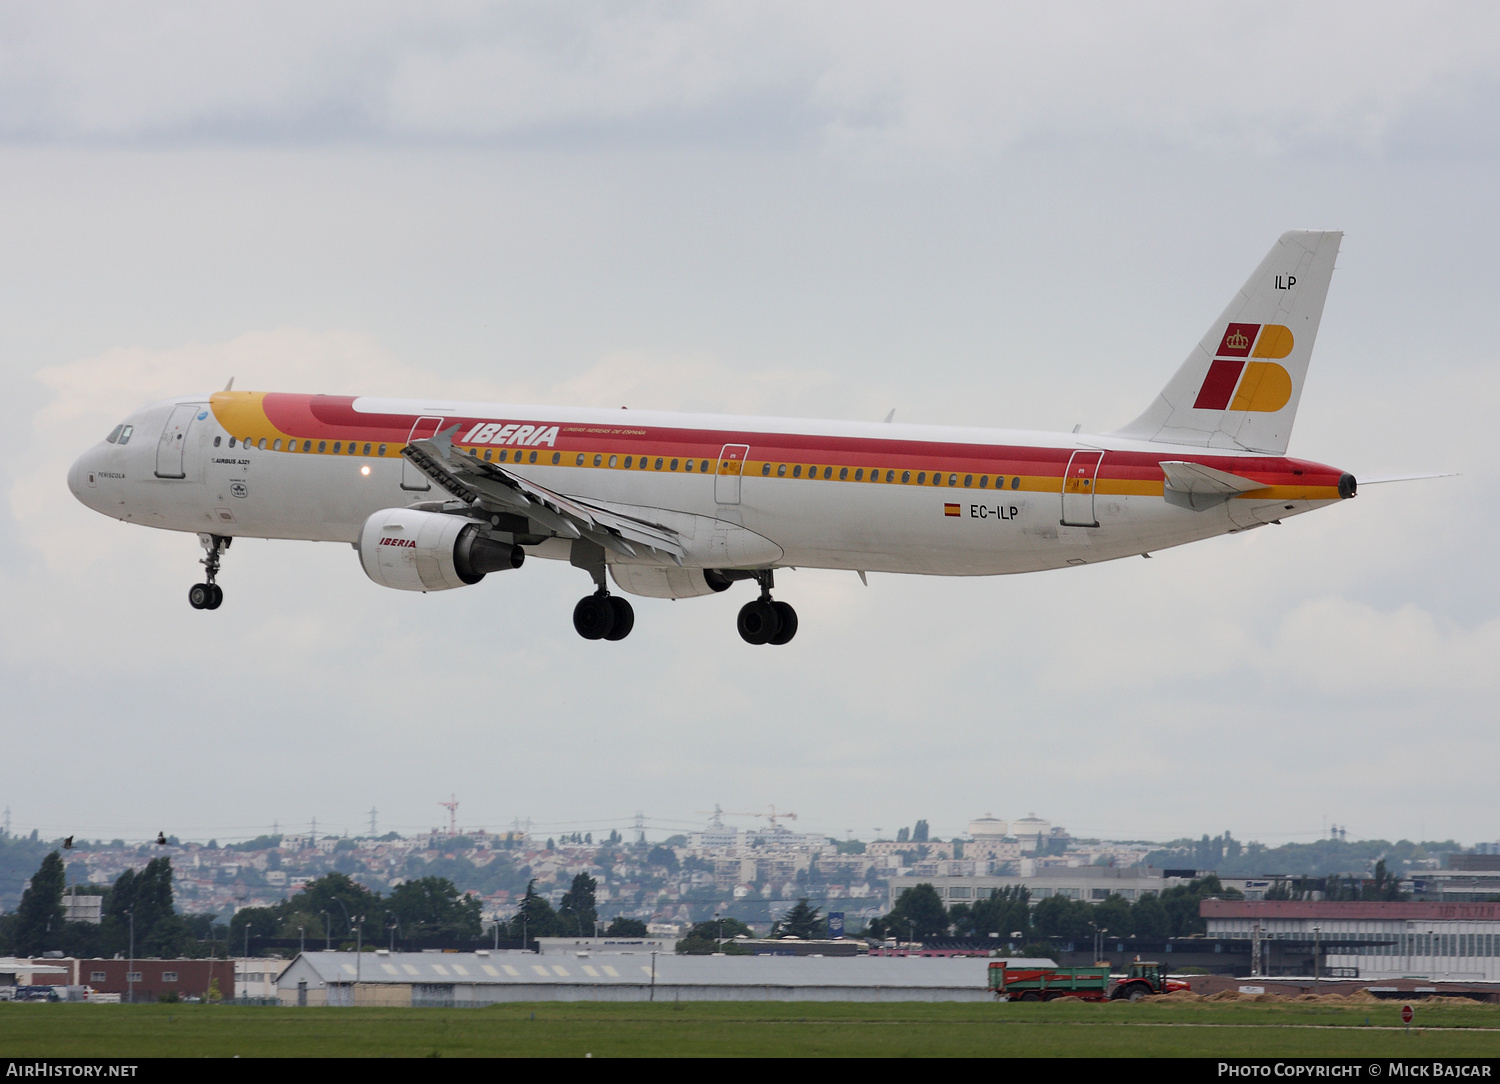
pixel 1237 340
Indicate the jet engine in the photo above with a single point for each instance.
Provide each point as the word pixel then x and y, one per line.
pixel 412 550
pixel 654 581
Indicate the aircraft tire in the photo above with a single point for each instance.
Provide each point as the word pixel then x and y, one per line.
pixel 624 618
pixel 758 622
pixel 788 619
pixel 200 596
pixel 218 597
pixel 593 617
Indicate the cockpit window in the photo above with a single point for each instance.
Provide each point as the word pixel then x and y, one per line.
pixel 114 434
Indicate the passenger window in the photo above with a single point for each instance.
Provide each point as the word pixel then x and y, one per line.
pixel 984 481
pixel 827 473
pixel 613 460
pixel 125 434
pixel 579 463
pixel 261 444
pixel 843 474
pixel 765 469
pixel 276 446
pixel 111 437
pixel 688 465
pixel 674 464
pixel 921 478
pixel 890 476
pixel 781 470
pixel 797 471
pixel 322 446
pixel 367 447
pixel 703 466
pixel 489 454
pixel 556 458
pixel 114 435
pixel 968 480
pixel 336 446
pixel 953 480
pixel 382 449
pixel 598 459
pixel 231 442
pixel 905 477
pixel 629 459
pixel 531 458
pixel 859 475
pixel 1015 483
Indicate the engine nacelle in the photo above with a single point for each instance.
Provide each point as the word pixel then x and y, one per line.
pixel 654 581
pixel 429 551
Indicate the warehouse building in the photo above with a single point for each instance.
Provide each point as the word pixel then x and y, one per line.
pixel 486 978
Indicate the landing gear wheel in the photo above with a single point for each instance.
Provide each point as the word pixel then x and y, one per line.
pixel 218 597
pixel 201 596
pixel 758 622
pixel 624 618
pixel 788 619
pixel 594 617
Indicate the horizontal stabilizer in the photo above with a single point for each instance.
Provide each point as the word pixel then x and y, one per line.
pixel 1193 485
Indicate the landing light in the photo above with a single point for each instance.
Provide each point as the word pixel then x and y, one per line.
pixel 365 469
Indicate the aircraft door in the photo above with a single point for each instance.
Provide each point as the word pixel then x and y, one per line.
pixel 411 478
pixel 1078 489
pixel 171 449
pixel 731 468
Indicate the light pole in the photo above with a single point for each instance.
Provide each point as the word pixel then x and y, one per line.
pixel 721 928
pixel 1317 955
pixel 327 932
pixel 130 964
pixel 302 937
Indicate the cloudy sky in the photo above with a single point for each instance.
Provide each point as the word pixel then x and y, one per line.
pixel 983 214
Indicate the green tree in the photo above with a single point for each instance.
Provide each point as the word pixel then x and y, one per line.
pixel 39 919
pixel 919 832
pixel 801 921
pixel 535 917
pixel 434 907
pixel 1006 911
pixel 345 900
pixel 1058 918
pixel 626 927
pixel 1148 918
pixel 918 913
pixel 576 912
pixel 1113 914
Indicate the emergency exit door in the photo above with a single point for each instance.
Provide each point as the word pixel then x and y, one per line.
pixel 411 478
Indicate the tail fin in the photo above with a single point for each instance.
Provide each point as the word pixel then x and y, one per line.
pixel 1240 386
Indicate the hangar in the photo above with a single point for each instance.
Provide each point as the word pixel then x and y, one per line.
pixel 487 978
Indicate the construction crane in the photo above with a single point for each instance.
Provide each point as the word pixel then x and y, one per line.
pixel 773 816
pixel 453 813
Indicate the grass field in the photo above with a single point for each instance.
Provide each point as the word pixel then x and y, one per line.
pixel 741 1029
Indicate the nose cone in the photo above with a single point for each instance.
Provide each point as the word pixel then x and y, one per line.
pixel 76 475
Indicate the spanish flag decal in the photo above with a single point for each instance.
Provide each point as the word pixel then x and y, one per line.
pixel 950 509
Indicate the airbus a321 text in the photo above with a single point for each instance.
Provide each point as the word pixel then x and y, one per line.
pixel 434 494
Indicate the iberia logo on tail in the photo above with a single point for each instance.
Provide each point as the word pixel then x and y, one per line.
pixel 1235 384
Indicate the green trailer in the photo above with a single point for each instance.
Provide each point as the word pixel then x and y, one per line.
pixel 1047 983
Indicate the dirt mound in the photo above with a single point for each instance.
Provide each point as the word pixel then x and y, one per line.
pixel 1229 995
pixel 1363 997
pixel 1179 995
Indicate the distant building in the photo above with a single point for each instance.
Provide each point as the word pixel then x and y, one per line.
pixel 1091 884
pixel 1390 939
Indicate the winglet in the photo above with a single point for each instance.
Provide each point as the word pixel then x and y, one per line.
pixel 230 385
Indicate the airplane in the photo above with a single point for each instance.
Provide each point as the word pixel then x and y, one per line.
pixel 435 495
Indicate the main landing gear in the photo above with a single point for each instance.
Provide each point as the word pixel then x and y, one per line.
pixel 208 596
pixel 600 616
pixel 766 621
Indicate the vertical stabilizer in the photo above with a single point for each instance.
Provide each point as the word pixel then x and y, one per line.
pixel 1240 386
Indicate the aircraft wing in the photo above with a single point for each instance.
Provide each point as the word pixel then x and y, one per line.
pixel 491 486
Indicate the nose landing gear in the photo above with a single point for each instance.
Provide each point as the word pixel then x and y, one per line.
pixel 208 596
pixel 766 621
